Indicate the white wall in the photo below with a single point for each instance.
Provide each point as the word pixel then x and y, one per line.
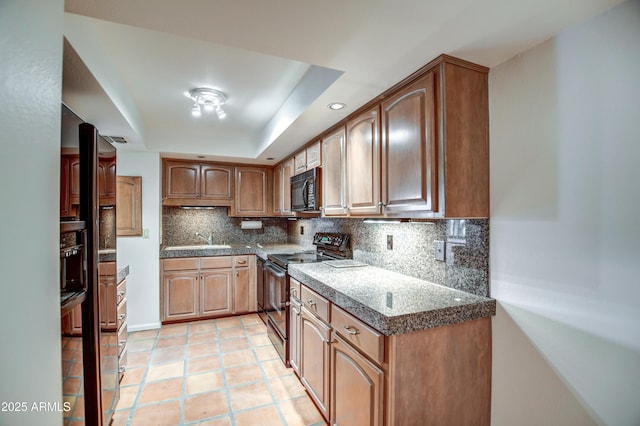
pixel 30 69
pixel 565 239
pixel 141 254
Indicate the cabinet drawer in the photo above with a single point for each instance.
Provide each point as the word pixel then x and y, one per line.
pixel 122 313
pixel 315 303
pixel 180 264
pixel 294 288
pixel 216 262
pixel 360 335
pixel 122 338
pixel 121 291
pixel 106 268
pixel 241 261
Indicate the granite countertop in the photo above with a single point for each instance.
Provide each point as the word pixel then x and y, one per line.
pixel 261 250
pixel 391 302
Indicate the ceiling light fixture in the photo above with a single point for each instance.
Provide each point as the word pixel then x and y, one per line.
pixel 208 100
pixel 336 106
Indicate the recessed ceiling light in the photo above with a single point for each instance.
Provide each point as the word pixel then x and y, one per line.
pixel 270 158
pixel 201 156
pixel 336 106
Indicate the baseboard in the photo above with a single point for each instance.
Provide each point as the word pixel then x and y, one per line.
pixel 142 327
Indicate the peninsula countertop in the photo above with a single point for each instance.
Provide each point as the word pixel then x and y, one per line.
pixel 390 302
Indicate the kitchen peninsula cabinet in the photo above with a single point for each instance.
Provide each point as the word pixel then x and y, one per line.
pixel 207 287
pixel 253 184
pixel 194 183
pixel 333 174
pixel 314 358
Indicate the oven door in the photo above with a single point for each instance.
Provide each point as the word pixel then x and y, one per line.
pixel 276 296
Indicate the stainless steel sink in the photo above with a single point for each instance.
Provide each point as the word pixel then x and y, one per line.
pixel 199 247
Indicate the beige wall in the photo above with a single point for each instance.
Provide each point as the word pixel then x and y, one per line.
pixel 30 88
pixel 565 252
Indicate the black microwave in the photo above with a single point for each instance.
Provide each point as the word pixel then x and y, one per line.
pixel 305 191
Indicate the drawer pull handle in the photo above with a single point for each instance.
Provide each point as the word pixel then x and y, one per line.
pixel 311 302
pixel 241 262
pixel 122 316
pixel 350 330
pixel 122 343
pixel 121 293
pixel 122 369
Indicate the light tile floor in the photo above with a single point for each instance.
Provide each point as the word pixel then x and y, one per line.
pixel 214 372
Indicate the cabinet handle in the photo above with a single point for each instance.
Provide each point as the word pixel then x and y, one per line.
pixel 351 330
pixel 311 302
pixel 381 204
pixel 122 369
pixel 121 293
pixel 122 343
pixel 122 316
pixel 241 262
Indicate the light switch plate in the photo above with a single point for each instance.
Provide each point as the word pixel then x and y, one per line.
pixel 438 247
pixel 145 233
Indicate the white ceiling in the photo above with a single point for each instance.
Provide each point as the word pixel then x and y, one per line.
pixel 129 62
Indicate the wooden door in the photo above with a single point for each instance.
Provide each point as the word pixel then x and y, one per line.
pixel 314 156
pixel 251 191
pixel 129 202
pixel 181 179
pixel 409 154
pixel 216 182
pixel 363 164
pixel 314 359
pixel 333 174
pixel 241 291
pixel 357 387
pixel 294 335
pixel 216 289
pixel 180 294
pixel 108 299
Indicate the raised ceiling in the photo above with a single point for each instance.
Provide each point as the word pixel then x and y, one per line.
pixel 280 62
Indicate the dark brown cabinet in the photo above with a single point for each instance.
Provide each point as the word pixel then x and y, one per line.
pixel 107 181
pixel 206 184
pixel 69 184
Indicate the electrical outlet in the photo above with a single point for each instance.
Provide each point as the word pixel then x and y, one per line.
pixel 301 230
pixel 438 248
pixel 389 242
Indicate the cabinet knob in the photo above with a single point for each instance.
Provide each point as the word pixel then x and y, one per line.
pixel 351 330
pixel 311 302
pixel 381 204
pixel 122 316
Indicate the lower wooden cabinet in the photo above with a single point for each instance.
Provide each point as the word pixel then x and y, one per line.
pixel 71 323
pixel 314 359
pixel 208 287
pixel 357 386
pixel 295 311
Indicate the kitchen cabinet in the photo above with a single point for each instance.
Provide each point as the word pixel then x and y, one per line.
pixel 409 161
pixel 121 326
pixel 107 295
pixel 194 183
pixel 207 287
pixel 69 184
pixel 129 202
pixel 282 187
pixel 107 181
pixel 308 158
pixel 333 174
pixel 314 359
pixel 295 312
pixel 357 386
pixel 253 184
pixel 71 324
pixel 363 164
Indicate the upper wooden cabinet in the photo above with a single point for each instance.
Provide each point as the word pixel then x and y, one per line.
pixel 252 191
pixel 363 164
pixel 107 181
pixel 409 162
pixel 333 174
pixel 203 184
pixel 282 187
pixel 308 158
pixel 129 210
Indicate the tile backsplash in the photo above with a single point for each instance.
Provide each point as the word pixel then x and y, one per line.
pixel 180 225
pixel 466 262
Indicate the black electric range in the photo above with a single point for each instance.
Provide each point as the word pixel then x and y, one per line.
pixel 273 297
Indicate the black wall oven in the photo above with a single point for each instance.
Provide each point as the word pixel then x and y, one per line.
pixel 274 294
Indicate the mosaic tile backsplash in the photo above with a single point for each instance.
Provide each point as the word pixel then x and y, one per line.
pixel 179 227
pixel 466 262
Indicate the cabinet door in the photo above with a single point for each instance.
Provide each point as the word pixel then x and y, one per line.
pixel 363 164
pixel 108 308
pixel 181 180
pixel 287 173
pixel 251 191
pixel 74 171
pixel 300 161
pixel 333 174
pixel 180 294
pixel 409 149
pixel 216 289
pixel 65 184
pixel 216 182
pixel 278 189
pixel 241 291
pixel 314 359
pixel 314 155
pixel 357 387
pixel 129 202
pixel 294 334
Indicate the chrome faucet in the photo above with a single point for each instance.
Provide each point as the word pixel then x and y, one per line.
pixel 208 239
